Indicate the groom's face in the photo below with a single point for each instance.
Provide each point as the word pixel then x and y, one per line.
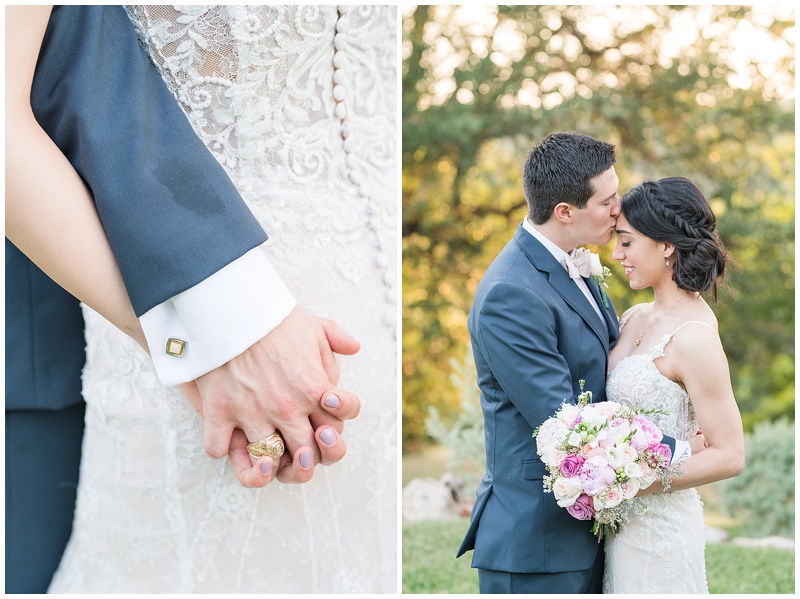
pixel 596 222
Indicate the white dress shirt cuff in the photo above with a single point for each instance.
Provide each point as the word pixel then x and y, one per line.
pixel 217 319
pixel 682 452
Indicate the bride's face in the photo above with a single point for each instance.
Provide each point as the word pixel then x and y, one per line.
pixel 643 259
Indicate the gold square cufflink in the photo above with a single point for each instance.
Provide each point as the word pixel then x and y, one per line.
pixel 175 347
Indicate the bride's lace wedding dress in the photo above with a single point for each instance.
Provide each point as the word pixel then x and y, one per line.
pixel 662 549
pixel 299 106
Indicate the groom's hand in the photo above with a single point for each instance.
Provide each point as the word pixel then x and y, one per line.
pixel 697 443
pixel 281 382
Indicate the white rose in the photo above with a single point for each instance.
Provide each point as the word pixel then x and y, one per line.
pixel 629 488
pixel 552 456
pixel 630 454
pixel 648 475
pixel 611 497
pixel 594 264
pixel 567 490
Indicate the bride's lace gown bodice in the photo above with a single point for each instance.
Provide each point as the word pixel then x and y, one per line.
pixel 662 549
pixel 299 105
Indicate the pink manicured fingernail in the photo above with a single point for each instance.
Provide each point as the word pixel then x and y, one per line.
pixel 305 460
pixel 332 401
pixel 328 436
pixel 266 467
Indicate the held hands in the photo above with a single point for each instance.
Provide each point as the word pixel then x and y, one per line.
pixel 286 382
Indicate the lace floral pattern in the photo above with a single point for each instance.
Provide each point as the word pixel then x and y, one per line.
pixel 662 549
pixel 299 105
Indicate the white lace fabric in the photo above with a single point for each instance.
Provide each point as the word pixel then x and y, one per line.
pixel 299 105
pixel 661 550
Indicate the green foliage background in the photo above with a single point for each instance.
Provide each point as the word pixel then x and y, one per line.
pixel 762 497
pixel 478 92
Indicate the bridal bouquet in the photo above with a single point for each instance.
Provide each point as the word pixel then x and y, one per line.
pixel 598 456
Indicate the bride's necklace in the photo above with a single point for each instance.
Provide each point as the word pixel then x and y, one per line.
pixel 647 326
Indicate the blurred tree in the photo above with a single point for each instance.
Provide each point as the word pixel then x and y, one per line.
pixel 671 87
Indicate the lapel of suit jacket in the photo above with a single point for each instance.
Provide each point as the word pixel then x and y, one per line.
pixel 612 322
pixel 544 261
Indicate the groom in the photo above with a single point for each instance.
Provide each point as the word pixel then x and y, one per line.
pixel 536 330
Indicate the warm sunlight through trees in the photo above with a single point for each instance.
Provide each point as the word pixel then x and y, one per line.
pixel 705 92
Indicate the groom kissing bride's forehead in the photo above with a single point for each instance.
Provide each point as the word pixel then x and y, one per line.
pixel 537 328
pixel 571 187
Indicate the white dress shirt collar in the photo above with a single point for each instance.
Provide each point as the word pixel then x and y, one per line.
pixel 551 247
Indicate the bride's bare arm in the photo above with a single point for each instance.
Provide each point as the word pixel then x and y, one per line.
pixel 50 215
pixel 699 362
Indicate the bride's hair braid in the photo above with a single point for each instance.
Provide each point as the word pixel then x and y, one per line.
pixel 675 211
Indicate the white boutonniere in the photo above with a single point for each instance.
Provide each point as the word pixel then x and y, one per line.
pixel 599 273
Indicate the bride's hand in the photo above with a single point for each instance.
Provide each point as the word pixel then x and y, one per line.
pixel 299 467
pixel 255 473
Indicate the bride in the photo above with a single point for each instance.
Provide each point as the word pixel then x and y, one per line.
pixel 298 105
pixel 669 357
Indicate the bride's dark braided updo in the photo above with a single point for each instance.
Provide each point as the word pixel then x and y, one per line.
pixel 675 211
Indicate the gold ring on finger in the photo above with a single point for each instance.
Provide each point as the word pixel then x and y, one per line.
pixel 271 446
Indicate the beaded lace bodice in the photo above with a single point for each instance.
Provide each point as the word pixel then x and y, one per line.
pixel 299 105
pixel 636 380
pixel 662 549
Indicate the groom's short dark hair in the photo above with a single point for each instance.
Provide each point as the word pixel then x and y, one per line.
pixel 558 169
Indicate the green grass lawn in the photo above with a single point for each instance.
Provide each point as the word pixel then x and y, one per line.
pixel 430 566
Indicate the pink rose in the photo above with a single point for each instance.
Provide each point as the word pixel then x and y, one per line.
pixel 596 474
pixel 582 508
pixel 646 434
pixel 589 450
pixel 571 465
pixel 663 450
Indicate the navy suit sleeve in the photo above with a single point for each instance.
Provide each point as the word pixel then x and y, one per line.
pixel 519 334
pixel 172 215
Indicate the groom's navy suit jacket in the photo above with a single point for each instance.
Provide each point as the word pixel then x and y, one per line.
pixel 172 217
pixel 171 214
pixel 534 336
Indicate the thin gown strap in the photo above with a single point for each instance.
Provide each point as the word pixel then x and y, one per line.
pixel 658 350
pixel 708 326
pixel 626 316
